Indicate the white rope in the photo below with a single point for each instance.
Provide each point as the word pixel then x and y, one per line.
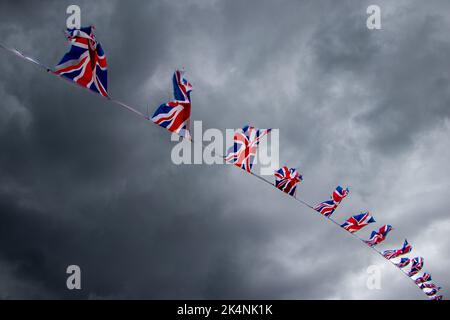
pixel 51 71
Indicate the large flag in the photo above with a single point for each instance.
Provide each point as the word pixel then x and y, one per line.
pixel 328 207
pixel 85 63
pixel 287 179
pixel 391 254
pixel 243 152
pixel 417 265
pixel 380 236
pixel 175 115
pixel 403 262
pixel 357 222
pixel 425 278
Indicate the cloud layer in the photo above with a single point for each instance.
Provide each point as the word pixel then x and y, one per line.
pixel 83 182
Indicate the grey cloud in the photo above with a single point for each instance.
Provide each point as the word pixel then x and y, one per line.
pixel 83 182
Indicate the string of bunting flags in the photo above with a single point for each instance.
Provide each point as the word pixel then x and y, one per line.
pixel 85 65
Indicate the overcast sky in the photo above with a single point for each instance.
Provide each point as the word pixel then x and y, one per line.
pixel 84 182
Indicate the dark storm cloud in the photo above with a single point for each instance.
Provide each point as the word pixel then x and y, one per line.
pixel 83 182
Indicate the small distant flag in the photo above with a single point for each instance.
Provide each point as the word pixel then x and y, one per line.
pixel 380 236
pixel 287 179
pixel 428 286
pixel 85 63
pixel 425 278
pixel 403 262
pixel 391 254
pixel 357 222
pixel 328 207
pixel 175 115
pixel 417 265
pixel 246 142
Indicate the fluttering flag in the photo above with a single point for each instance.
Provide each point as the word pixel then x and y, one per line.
pixel 287 179
pixel 357 222
pixel 417 265
pixel 175 115
pixel 391 254
pixel 428 286
pixel 440 297
pixel 85 63
pixel 378 237
pixel 425 278
pixel 339 194
pixel 403 262
pixel 243 152
pixel 431 293
pixel 328 207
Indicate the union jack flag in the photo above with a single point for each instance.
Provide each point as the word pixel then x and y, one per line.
pixel 403 262
pixel 339 194
pixel 391 254
pixel 328 207
pixel 417 265
pixel 440 297
pixel 85 63
pixel 357 222
pixel 431 293
pixel 425 278
pixel 246 142
pixel 287 179
pixel 380 236
pixel 428 286
pixel 175 115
